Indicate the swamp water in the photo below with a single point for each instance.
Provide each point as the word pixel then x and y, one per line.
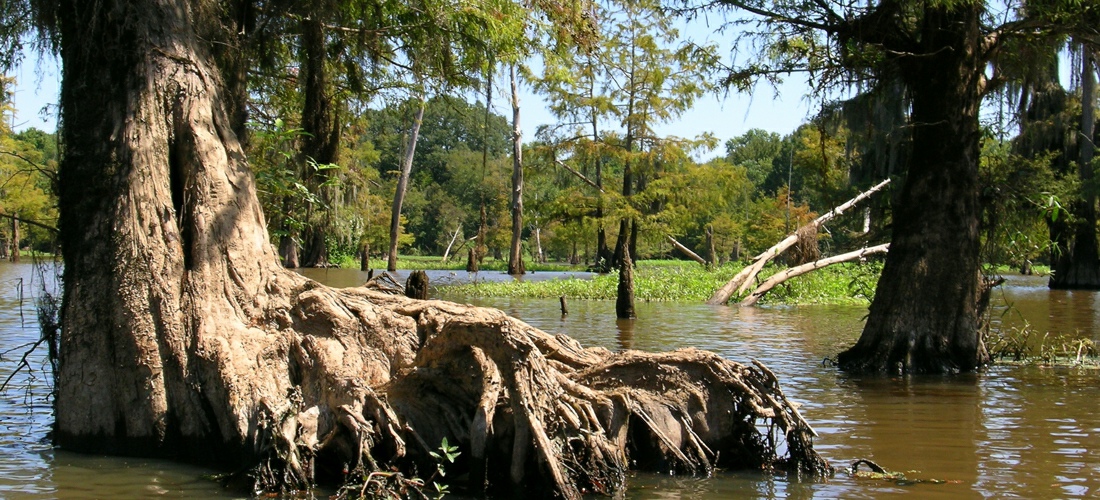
pixel 1024 432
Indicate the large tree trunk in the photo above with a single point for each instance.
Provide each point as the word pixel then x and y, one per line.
pixel 515 254
pixel 924 317
pixel 185 338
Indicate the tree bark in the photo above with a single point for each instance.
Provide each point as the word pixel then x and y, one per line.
pixel 403 186
pixel 624 298
pixel 924 318
pixel 515 253
pixel 185 338
pixel 15 239
pixel 416 287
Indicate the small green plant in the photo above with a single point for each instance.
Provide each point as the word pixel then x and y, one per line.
pixel 446 454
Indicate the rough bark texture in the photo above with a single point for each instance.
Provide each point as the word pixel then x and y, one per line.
pixel 416 287
pixel 624 297
pixel 924 315
pixel 185 338
pixel 14 239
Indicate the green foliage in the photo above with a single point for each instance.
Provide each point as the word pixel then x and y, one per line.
pixel 756 151
pixel 680 281
pixel 1018 200
pixel 28 176
pixel 446 455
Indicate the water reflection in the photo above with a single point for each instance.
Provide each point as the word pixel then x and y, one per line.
pixel 626 333
pixel 1022 432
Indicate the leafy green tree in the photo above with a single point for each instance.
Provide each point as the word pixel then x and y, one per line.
pixel 756 151
pixel 28 173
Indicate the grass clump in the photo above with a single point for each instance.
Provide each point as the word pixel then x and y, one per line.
pixel 1023 345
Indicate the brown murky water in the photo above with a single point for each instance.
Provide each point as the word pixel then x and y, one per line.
pixel 1009 432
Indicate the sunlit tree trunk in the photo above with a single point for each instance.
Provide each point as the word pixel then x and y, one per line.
pixel 166 256
pixel 515 254
pixel 403 186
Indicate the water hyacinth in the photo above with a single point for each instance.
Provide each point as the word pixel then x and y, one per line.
pixel 678 281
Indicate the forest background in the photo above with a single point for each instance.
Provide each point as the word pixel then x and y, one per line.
pixel 751 166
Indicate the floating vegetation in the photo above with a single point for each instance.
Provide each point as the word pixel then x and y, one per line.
pixel 848 283
pixel 877 473
pixel 1025 346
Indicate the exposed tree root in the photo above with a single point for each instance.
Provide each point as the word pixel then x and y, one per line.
pixel 380 380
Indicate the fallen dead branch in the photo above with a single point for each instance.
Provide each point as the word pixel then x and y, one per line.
pixel 787 274
pixel 740 282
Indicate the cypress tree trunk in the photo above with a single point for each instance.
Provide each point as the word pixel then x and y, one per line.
pixel 15 239
pixel 185 338
pixel 924 317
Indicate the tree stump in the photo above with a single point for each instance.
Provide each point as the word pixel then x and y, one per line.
pixel 471 261
pixel 416 287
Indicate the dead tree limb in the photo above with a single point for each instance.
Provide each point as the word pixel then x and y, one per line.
pixel 29 221
pixel 687 251
pixel 740 282
pixel 447 253
pixel 782 276
pixel 579 175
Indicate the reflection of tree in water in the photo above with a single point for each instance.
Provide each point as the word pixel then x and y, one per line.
pixel 625 327
pixel 921 424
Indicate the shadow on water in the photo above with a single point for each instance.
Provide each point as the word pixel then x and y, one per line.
pixel 1024 432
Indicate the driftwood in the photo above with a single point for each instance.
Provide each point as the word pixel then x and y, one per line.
pixel 687 251
pixel 740 282
pixel 782 276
